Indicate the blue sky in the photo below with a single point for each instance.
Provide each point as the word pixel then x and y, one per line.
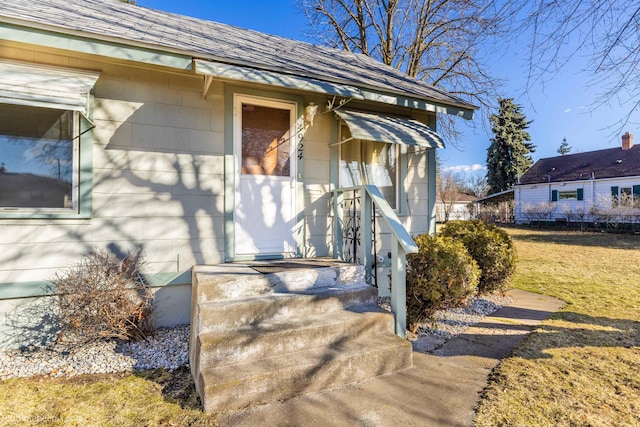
pixel 561 108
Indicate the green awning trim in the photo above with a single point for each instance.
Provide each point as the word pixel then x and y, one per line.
pixel 253 75
pixel 37 85
pixel 390 129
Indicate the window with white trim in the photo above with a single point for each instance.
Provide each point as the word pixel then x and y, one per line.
pixel 370 162
pixel 568 195
pixel 625 196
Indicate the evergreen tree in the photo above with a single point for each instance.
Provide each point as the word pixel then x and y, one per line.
pixel 564 148
pixel 509 154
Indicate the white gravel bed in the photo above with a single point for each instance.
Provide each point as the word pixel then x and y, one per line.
pixel 168 348
pixel 452 322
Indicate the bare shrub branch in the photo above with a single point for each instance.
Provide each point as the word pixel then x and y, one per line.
pixel 104 296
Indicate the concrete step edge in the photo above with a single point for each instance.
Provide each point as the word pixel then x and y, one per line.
pixel 211 286
pixel 232 346
pixel 214 315
pixel 236 386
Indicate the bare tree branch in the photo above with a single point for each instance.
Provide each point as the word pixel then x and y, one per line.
pixel 442 42
pixel 605 34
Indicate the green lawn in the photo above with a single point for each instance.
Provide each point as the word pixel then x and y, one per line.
pixel 582 367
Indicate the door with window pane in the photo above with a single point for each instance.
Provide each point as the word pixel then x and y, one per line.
pixel 264 214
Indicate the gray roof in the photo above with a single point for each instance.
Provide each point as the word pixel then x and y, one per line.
pixel 128 24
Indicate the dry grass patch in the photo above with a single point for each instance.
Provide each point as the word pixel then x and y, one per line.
pixel 582 366
pixel 149 399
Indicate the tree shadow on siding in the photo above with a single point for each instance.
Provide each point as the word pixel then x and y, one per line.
pixel 32 322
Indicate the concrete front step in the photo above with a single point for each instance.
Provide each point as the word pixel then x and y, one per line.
pixel 233 387
pixel 256 337
pixel 277 338
pixel 217 283
pixel 228 314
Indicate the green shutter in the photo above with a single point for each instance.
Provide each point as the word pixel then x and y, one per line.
pixel 614 196
pixel 580 193
pixel 554 195
pixel 636 191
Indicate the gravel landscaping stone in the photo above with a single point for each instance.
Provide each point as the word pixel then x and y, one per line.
pixel 449 323
pixel 168 348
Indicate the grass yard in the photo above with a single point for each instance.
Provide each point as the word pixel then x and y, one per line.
pixel 582 367
pixel 151 398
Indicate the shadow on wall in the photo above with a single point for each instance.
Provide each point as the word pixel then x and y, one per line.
pixel 318 220
pixel 161 200
pixel 29 322
pixel 163 181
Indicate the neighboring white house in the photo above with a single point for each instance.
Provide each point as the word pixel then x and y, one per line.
pixel 595 186
pixel 194 141
pixel 461 208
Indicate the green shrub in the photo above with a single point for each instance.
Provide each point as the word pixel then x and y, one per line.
pixel 441 275
pixel 490 247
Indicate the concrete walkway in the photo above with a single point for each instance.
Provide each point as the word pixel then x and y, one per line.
pixel 442 388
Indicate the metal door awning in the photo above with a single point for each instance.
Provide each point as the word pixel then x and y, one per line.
pixel 45 86
pixel 390 129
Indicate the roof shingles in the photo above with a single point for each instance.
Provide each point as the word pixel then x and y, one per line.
pixel 130 24
pixel 600 164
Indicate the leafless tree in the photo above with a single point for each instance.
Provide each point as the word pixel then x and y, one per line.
pixel 443 42
pixel 577 215
pixel 604 33
pixel 447 192
pixel 476 185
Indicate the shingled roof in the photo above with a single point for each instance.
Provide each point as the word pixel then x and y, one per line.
pixel 600 164
pixel 126 24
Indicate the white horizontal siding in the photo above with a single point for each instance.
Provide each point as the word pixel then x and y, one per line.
pixel 597 194
pixel 457 211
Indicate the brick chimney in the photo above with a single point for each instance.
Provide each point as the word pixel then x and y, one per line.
pixel 627 141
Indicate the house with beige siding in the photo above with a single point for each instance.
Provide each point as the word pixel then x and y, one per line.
pixel 601 186
pixel 210 148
